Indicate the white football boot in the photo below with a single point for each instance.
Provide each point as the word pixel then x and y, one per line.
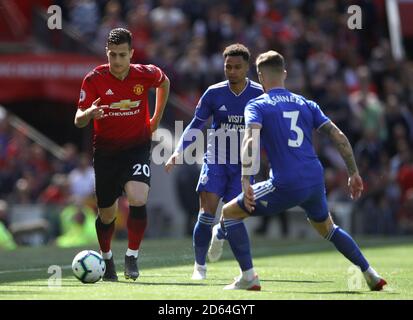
pixel 199 272
pixel 216 246
pixel 374 280
pixel 241 284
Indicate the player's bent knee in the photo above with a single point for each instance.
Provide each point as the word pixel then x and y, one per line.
pixel 137 199
pixel 106 217
pixel 137 193
pixel 232 210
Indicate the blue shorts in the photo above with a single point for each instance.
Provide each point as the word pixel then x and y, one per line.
pixel 270 201
pixel 223 180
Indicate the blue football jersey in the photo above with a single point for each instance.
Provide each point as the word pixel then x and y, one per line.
pixel 227 111
pixel 287 121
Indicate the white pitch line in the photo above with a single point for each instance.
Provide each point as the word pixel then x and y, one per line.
pixel 25 270
pixel 41 269
pixel 31 270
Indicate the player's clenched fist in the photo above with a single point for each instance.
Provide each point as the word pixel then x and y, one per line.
pixel 355 183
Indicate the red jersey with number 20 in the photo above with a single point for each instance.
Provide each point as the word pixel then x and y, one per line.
pixel 127 121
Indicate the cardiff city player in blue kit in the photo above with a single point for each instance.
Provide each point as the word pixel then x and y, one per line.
pixel 220 176
pixel 284 122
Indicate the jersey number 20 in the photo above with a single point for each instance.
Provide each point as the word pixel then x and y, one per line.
pixel 293 115
pixel 139 169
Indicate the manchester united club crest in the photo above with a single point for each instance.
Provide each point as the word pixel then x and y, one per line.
pixel 138 89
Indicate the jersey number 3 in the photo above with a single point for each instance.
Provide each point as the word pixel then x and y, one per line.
pixel 293 115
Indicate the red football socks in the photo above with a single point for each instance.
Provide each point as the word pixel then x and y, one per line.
pixel 104 233
pixel 137 222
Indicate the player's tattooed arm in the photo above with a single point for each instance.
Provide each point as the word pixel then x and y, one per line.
pixel 342 144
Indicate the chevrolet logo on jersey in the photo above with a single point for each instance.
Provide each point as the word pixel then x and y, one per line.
pixel 125 105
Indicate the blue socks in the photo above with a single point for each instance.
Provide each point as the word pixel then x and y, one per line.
pixel 237 236
pixel 348 247
pixel 221 235
pixel 202 236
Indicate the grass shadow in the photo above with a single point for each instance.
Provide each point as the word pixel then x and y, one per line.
pixel 163 283
pixel 331 292
pixel 342 292
pixel 295 281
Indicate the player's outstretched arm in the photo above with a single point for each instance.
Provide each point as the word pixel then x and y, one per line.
pixel 343 146
pixel 162 93
pixel 187 138
pixel 95 111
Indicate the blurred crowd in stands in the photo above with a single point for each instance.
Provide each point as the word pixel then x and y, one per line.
pixel 350 73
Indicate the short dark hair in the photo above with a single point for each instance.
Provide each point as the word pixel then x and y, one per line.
pixel 118 36
pixel 271 59
pixel 237 49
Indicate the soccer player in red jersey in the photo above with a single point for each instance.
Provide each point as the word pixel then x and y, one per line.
pixel 115 97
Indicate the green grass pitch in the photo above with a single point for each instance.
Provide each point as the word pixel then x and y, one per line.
pixel 288 270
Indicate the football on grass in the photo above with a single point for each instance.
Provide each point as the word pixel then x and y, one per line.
pixel 88 266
